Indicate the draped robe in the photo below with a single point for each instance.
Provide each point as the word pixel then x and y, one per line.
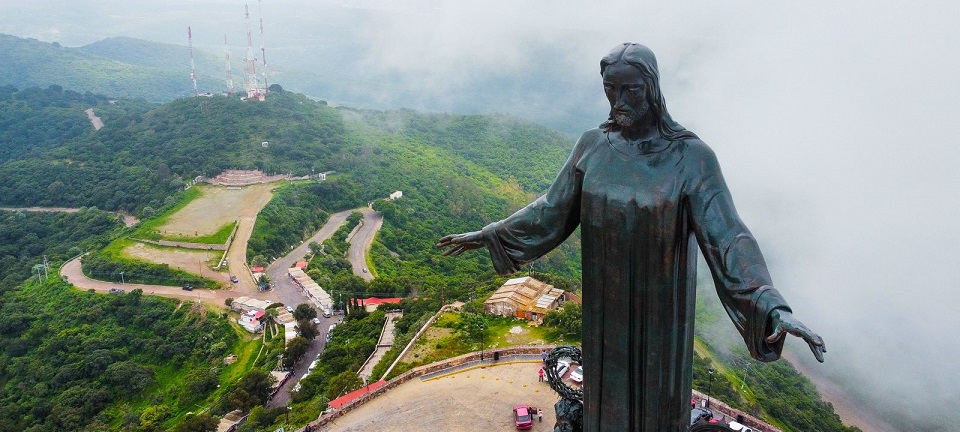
pixel 642 210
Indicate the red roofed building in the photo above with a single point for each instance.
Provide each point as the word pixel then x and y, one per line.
pixel 354 395
pixel 301 265
pixel 257 269
pixel 371 304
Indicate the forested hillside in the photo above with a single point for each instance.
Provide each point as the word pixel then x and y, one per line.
pixel 116 67
pixel 457 173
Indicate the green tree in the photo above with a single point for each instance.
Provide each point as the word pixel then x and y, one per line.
pixel 473 326
pixel 199 423
pixel 568 319
pixel 345 382
pixel 304 312
pixel 307 329
pixel 296 348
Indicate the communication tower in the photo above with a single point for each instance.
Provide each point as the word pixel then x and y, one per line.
pixel 193 71
pixel 226 53
pixel 263 51
pixel 251 79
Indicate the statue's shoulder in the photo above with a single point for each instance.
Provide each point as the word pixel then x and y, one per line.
pixel 592 137
pixel 695 148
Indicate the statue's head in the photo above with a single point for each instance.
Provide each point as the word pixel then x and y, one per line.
pixel 635 67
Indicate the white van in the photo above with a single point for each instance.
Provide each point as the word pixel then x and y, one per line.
pixel 740 428
pixel 312 366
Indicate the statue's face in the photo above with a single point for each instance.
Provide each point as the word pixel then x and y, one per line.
pixel 627 92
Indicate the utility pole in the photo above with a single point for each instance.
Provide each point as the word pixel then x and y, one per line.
pixel 746 371
pixel 122 282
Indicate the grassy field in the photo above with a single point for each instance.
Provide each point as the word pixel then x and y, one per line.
pixel 207 214
pixel 442 340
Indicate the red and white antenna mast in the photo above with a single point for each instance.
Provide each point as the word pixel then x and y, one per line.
pixel 193 71
pixel 263 51
pixel 226 53
pixel 253 90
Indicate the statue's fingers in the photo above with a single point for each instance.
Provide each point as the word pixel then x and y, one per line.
pixel 778 332
pixel 818 350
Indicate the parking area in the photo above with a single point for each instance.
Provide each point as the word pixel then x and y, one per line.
pixel 469 400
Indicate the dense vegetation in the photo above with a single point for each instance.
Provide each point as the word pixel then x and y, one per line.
pixel 140 157
pixel 296 212
pixel 68 357
pixel 25 237
pixel 115 66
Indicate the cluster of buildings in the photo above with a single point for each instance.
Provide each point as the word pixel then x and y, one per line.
pixel 527 298
pixel 311 289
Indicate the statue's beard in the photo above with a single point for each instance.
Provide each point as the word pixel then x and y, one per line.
pixel 627 119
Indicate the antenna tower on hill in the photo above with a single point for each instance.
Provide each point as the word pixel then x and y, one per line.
pixel 251 79
pixel 226 53
pixel 263 51
pixel 193 71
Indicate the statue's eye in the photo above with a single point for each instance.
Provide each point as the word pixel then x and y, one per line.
pixel 607 87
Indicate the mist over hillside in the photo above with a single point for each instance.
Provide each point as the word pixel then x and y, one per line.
pixel 812 108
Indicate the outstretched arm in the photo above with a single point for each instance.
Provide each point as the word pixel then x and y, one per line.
pixel 783 322
pixel 456 244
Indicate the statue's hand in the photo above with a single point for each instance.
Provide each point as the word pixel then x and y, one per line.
pixel 783 322
pixel 460 243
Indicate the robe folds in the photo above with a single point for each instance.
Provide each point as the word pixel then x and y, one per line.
pixel 643 210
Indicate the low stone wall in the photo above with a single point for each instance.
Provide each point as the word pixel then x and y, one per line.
pixel 426 369
pixel 731 413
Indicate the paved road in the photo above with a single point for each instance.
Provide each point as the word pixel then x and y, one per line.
pixel 317 345
pixel 285 288
pixel 72 273
pixel 237 255
pixel 361 241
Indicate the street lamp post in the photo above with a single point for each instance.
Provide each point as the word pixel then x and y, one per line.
pixel 709 385
pixel 288 414
pixel 121 279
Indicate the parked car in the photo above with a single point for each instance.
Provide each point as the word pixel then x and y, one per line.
pixel 700 415
pixel 740 427
pixel 234 279
pixel 523 417
pixel 116 291
pixel 562 367
pixel 313 365
pixel 188 287
pixel 290 309
pixel 316 320
pixel 327 313
pixel 577 375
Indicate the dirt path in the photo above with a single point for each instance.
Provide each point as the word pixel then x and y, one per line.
pixel 72 273
pixel 127 219
pixel 237 256
pixel 96 121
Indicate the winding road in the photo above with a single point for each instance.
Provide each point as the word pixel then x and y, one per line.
pixel 284 289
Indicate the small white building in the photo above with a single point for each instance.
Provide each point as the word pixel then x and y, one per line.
pixel 252 321
pixel 395 195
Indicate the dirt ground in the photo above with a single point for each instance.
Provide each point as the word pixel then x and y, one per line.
pixel 216 207
pixel 189 260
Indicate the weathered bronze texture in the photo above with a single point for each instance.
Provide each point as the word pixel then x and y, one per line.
pixel 645 193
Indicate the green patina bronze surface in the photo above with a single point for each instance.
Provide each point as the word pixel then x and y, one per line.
pixel 646 193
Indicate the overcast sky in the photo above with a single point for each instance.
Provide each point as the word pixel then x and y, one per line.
pixel 835 126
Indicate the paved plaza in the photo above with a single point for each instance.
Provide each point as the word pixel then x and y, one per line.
pixel 479 399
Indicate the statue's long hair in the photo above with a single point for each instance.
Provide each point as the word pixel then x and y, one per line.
pixel 642 58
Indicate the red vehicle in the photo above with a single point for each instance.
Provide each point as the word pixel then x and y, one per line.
pixel 523 417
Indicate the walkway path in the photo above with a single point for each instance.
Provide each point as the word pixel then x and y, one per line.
pixel 383 345
pixel 97 122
